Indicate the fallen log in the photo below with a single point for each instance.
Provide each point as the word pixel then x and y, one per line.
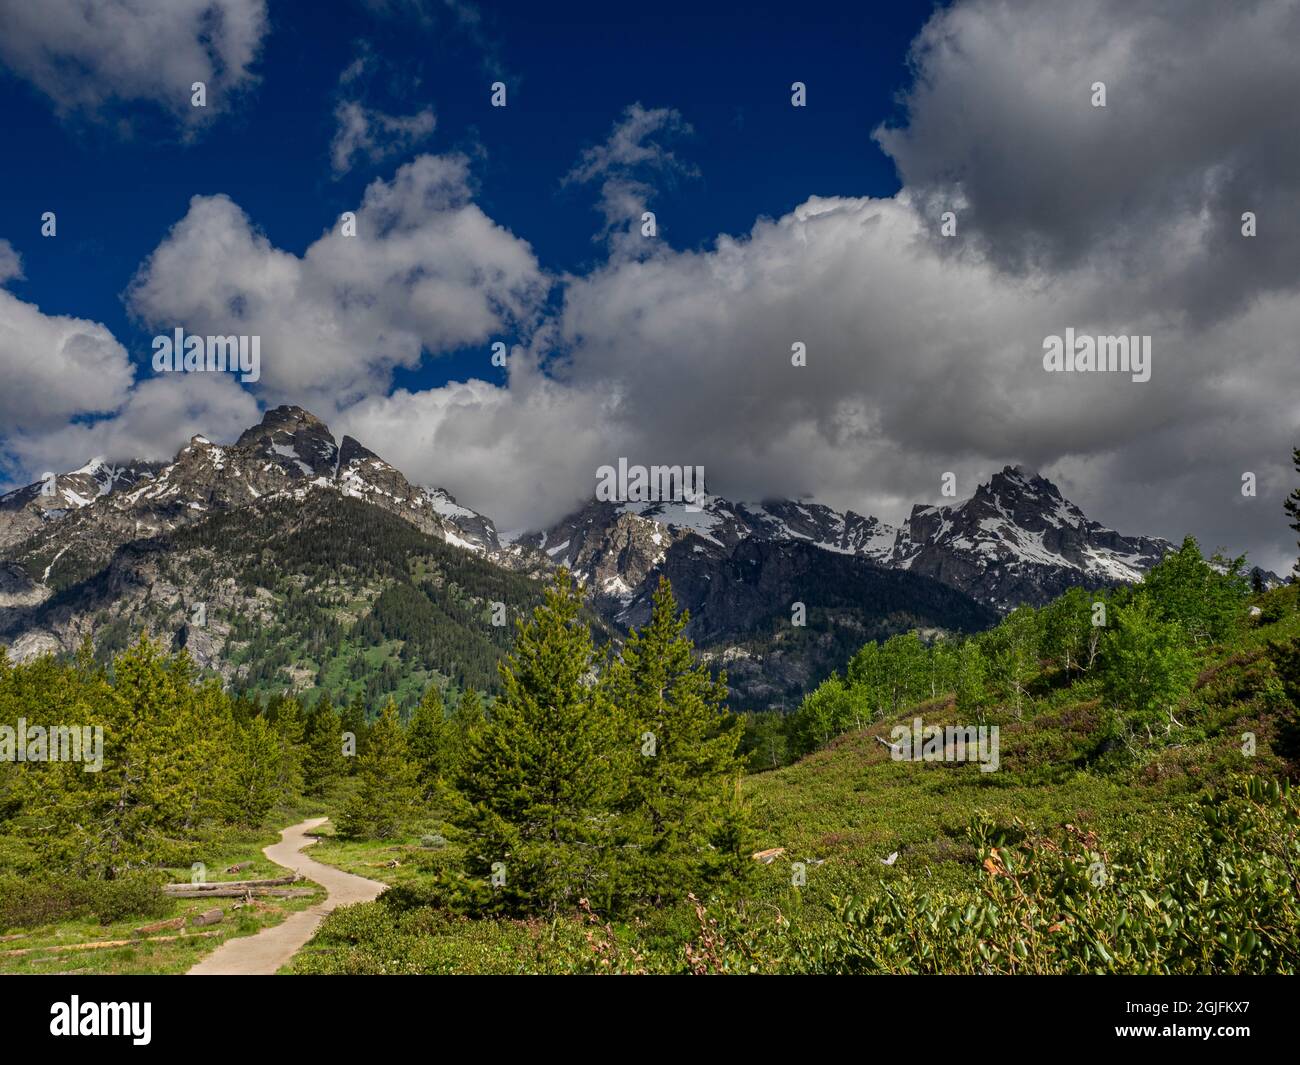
pixel 160 926
pixel 105 944
pixel 183 889
pixel 223 892
pixel 239 867
pixel 213 916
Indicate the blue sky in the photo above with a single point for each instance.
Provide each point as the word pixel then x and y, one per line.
pixel 570 69
pixel 819 225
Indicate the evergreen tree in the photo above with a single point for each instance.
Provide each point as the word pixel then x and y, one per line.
pixel 429 737
pixel 354 723
pixel 323 761
pixel 161 770
pixel 537 775
pixel 387 798
pixel 679 755
pixel 255 778
pixel 286 718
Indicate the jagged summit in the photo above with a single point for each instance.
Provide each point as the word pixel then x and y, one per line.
pixel 1015 539
pixel 289 451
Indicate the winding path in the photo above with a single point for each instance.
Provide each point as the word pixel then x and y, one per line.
pixel 263 954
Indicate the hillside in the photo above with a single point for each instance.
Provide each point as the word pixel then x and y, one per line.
pixel 1091 848
pixel 328 594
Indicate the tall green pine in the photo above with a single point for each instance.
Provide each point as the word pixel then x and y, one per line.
pixel 538 774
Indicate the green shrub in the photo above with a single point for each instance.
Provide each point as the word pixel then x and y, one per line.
pixel 31 902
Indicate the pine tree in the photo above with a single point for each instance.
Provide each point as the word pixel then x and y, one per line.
pixel 255 776
pixel 387 798
pixel 537 775
pixel 323 761
pixel 161 739
pixel 286 719
pixel 354 723
pixel 429 737
pixel 679 754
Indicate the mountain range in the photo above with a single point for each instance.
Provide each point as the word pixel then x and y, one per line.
pixel 115 547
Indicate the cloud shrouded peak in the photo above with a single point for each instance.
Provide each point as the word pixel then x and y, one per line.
pixel 90 55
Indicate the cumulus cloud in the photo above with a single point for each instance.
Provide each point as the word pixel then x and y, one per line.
pixel 155 422
pixel 1195 132
pixel 624 165
pixel 426 271
pixel 11 263
pixel 374 135
pixel 88 55
pixel 525 452
pixel 925 355
pixel 54 367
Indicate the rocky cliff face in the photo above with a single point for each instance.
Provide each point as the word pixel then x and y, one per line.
pixel 1016 540
pixel 290 452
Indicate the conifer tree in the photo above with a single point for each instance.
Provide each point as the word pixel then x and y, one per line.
pixel 354 722
pixel 537 775
pixel 387 798
pixel 430 741
pixel 323 761
pixel 679 754
pixel 256 772
pixel 153 784
pixel 286 719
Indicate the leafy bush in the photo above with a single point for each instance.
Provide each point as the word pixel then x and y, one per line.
pixel 32 902
pixel 1217 901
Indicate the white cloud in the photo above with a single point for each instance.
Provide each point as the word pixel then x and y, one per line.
pixel 363 131
pixel 155 422
pixel 11 263
pixel 924 354
pixel 87 55
pixel 526 454
pixel 624 164
pixel 54 367
pixel 426 270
